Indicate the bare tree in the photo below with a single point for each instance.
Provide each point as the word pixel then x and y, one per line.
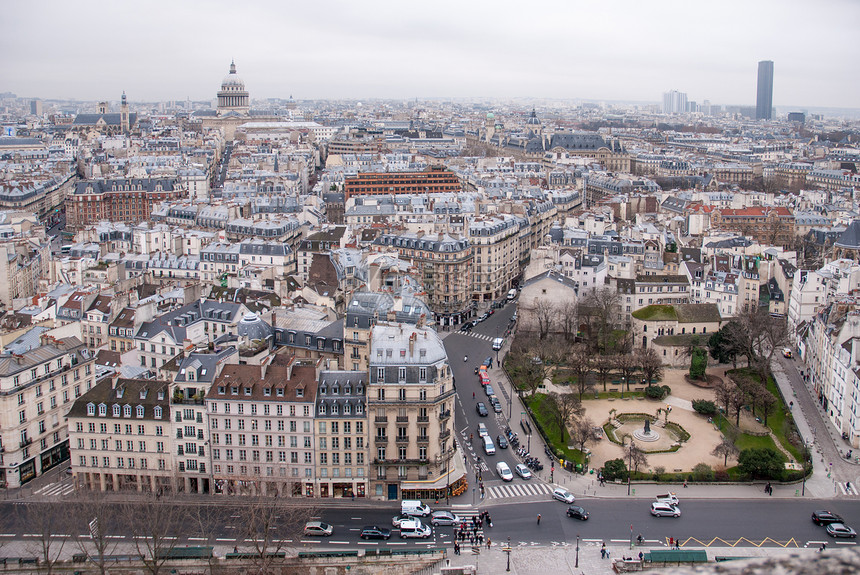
pixel 568 315
pixel 560 408
pixel 526 368
pixel 579 362
pixel 635 457
pixel 154 523
pixel 582 432
pixel 627 365
pixel 737 401
pixel 603 365
pixel 727 449
pixel 650 363
pixel 545 314
pixel 50 523
pixel 600 306
pixel 267 525
pixel 97 518
pixel 207 521
pixel 766 403
pixel 723 391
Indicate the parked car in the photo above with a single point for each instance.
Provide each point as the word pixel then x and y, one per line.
pixel 664 510
pixel 488 389
pixel 497 405
pixel 482 409
pixel 488 361
pixel 825 517
pixel 482 430
pixel 484 317
pixel 498 343
pixel 444 518
pixel 669 498
pixel 502 442
pixel 523 471
pixel 577 512
pixel 840 530
pixel 318 529
pixel 563 495
pixel 374 532
pixel 466 326
pixel 398 519
pixel 414 529
pixel 504 471
pixel 786 352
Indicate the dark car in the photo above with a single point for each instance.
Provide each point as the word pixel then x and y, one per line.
pixel 494 401
pixel 577 512
pixel 488 361
pixel 825 517
pixel 482 409
pixel 502 442
pixel 374 532
pixel 466 326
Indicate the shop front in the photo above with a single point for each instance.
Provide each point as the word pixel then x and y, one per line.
pixel 27 470
pixel 54 456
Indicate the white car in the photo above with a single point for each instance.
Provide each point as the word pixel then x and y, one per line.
pixel 482 430
pixel 504 471
pixel 669 498
pixel 563 495
pixel 523 471
pixel 664 510
pixel 318 529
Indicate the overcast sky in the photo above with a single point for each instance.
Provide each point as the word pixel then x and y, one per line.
pixel 571 49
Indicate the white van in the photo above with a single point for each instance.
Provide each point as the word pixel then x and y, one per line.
pixel 504 471
pixel 512 294
pixel 414 529
pixel 497 343
pixel 489 446
pixel 414 507
pixel 669 498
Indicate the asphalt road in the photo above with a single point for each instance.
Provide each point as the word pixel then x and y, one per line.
pixel 466 418
pixel 710 522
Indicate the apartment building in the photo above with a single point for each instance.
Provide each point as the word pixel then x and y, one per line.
pixel 496 250
pixel 119 200
pixel 37 387
pixel 318 244
pixel 94 323
pixel 435 179
pixel 648 290
pixel 444 266
pixel 119 432
pixel 410 400
pixel 342 434
pixel 772 226
pixel 261 424
pixel 22 263
pixel 193 376
pixel 366 309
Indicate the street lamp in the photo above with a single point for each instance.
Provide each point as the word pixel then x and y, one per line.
pixel 577 551
pixel 508 551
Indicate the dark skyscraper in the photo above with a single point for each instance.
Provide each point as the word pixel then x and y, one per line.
pixel 764 97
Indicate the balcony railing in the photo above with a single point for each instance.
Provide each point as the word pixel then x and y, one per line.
pixel 402 419
pixel 445 434
pixel 402 439
pixel 423 419
pixel 26 442
pixel 381 419
pixel 443 415
pixel 381 439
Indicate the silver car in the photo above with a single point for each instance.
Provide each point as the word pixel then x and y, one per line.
pixel 444 518
pixel 664 510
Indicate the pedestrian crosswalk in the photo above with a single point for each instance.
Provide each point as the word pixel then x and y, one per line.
pixel 848 489
pixel 481 336
pixel 519 490
pixel 56 489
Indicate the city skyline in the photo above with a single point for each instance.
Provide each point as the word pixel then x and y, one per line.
pixel 623 52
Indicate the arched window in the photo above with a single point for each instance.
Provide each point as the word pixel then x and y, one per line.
pixel 91 409
pixel 115 410
pixel 139 411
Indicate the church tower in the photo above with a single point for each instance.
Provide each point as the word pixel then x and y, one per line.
pixel 123 114
pixel 233 97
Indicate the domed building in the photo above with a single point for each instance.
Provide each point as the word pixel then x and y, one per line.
pixel 233 98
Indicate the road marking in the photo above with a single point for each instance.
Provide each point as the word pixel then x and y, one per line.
pixel 197 539
pixel 7 535
pixel 368 542
pixel 233 540
pixel 309 541
pixel 355 518
pixel 846 542
pixel 729 543
pixel 114 536
pixel 404 543
pixel 338 542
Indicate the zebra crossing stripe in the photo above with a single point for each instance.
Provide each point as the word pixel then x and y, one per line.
pixel 848 490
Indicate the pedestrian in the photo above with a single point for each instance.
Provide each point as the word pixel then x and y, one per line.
pixel 685 484
pixel 489 543
pixel 489 521
pixel 471 436
pixel 471 539
pixel 235 549
pixel 607 553
pixel 538 519
pixel 847 486
pixel 603 552
pixel 641 556
pixel 790 405
pixel 473 395
pixel 677 543
pixel 480 539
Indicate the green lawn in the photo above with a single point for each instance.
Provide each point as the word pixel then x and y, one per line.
pixel 551 429
pixel 747 441
pixel 656 312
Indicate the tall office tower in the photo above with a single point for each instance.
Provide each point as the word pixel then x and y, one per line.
pixel 764 97
pixel 674 102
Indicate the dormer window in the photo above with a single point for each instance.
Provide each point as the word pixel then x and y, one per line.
pixel 156 413
pixel 234 390
pixel 126 411
pixel 322 409
pixel 334 390
pixel 300 392
pixel 139 411
pixel 221 390
pixel 143 393
pixel 120 391
pixel 359 409
pixel 346 409
pixel 334 409
pixel 280 392
pixel 247 391
pixel 91 409
pixel 267 391
pixel 161 395
pixel 116 410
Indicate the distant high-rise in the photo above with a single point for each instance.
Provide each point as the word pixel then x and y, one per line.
pixel 674 102
pixel 764 96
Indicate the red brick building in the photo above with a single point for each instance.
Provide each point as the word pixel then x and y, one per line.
pixel 766 225
pixel 435 179
pixel 123 200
